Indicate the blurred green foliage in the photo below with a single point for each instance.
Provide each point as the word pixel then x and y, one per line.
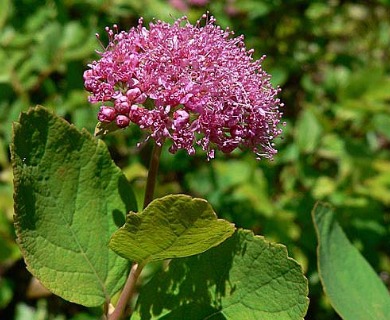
pixel 332 60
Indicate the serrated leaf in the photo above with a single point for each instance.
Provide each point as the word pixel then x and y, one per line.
pixel 354 289
pixel 245 277
pixel 68 194
pixel 170 227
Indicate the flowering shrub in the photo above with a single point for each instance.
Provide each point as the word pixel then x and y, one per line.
pixel 203 85
pixel 186 84
pixel 70 198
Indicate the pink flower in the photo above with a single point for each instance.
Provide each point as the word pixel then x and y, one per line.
pixel 202 84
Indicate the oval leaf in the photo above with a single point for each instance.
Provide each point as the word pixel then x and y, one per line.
pixel 353 287
pixel 170 227
pixel 68 195
pixel 245 277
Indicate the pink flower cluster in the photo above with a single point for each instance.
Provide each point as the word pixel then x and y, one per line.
pixel 190 84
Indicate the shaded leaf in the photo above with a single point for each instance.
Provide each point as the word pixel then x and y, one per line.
pixel 245 277
pixel 352 286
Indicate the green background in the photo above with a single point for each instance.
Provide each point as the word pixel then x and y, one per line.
pixel 332 60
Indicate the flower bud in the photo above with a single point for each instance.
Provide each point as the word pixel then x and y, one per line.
pixel 122 121
pixel 106 114
pixel 133 93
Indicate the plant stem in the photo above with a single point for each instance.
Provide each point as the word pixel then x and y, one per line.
pixel 127 292
pixel 152 175
pixel 129 288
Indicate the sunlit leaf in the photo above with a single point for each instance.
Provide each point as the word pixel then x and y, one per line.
pixel 170 227
pixel 69 199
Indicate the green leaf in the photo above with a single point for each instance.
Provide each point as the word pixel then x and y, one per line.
pixel 381 124
pixel 170 227
pixel 68 195
pixel 308 131
pixel 6 292
pixel 354 289
pixel 9 251
pixel 5 6
pixel 245 277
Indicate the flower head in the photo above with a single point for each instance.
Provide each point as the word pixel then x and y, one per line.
pixel 203 83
